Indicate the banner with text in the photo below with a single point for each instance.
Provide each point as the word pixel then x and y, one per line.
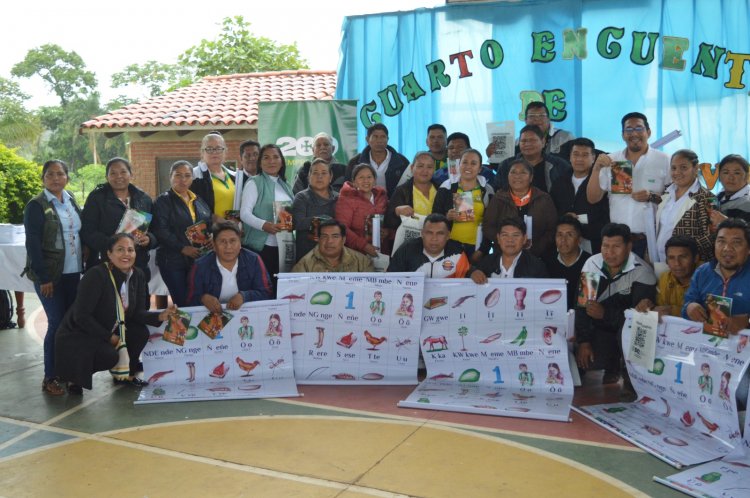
pixel 686 412
pixel 495 349
pixel 354 328
pixel 292 126
pixel 198 356
pixel 682 64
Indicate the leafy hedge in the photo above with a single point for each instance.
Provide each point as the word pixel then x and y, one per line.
pixel 20 180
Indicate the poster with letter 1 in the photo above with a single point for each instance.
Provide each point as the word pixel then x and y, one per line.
pixel 686 412
pixel 725 478
pixel 495 349
pixel 354 328
pixel 244 353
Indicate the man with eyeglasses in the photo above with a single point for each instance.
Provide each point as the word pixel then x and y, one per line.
pixel 512 260
pixel 323 149
pixel 331 255
pixel 569 195
pixel 633 200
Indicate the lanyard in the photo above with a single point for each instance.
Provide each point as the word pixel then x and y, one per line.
pixel 119 309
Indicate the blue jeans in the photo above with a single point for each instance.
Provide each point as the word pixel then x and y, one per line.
pixel 63 295
pixel 177 283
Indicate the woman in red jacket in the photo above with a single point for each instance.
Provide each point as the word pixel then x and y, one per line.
pixel 358 199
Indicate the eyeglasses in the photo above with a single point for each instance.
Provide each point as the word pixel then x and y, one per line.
pixel 536 115
pixel 636 129
pixel 214 150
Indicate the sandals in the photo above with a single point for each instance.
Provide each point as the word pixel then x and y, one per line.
pixel 52 387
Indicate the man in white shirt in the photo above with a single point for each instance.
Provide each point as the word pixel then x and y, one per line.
pixel 632 202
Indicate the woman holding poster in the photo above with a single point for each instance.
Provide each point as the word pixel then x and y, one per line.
pixel 106 327
pixel 104 210
pixel 360 200
pixel 175 211
pixel 257 211
pixel 464 202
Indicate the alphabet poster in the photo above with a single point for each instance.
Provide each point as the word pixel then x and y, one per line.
pixel 686 412
pixel 725 478
pixel 249 356
pixel 354 328
pixel 495 349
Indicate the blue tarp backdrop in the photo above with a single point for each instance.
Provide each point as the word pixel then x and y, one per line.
pixel 685 64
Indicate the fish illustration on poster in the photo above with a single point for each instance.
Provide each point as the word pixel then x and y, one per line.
pixel 354 328
pixel 685 413
pixel 235 357
pixel 496 349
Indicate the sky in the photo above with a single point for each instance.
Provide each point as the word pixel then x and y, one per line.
pixel 110 36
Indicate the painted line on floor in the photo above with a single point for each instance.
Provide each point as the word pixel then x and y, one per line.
pixel 457 425
pixel 106 438
pixel 29 328
pixel 46 425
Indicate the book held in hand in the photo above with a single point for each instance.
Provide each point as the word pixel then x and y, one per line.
pixel 463 203
pixel 282 214
pixel 719 312
pixel 177 327
pixel 134 222
pixel 199 236
pixel 622 177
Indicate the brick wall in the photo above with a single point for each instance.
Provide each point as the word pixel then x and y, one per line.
pixel 144 155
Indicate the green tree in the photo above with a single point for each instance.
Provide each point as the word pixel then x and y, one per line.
pixel 84 179
pixel 235 50
pixel 157 77
pixel 20 180
pixel 64 72
pixel 19 128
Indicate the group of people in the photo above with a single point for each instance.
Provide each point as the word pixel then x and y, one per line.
pixel 557 208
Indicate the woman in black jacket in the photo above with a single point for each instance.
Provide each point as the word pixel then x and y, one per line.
pixel 420 184
pixel 110 313
pixel 174 211
pixel 104 209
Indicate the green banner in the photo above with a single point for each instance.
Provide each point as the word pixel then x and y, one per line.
pixel 292 126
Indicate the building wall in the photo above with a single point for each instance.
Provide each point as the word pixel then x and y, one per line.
pixel 145 152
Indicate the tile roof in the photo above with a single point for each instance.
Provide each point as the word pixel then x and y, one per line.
pixel 230 100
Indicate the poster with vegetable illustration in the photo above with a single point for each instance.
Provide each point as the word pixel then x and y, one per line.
pixel 495 349
pixel 686 412
pixel 244 353
pixel 354 328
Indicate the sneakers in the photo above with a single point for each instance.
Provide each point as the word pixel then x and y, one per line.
pixel 52 387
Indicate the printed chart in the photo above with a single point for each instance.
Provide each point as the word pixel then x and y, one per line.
pixel 354 328
pixel 686 412
pixel 496 349
pixel 249 356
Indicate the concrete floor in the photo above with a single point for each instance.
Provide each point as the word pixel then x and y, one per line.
pixel 334 441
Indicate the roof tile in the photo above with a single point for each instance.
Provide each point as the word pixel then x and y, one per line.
pixel 228 100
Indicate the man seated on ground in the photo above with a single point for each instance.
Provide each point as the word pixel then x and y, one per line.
pixel 728 275
pixel 330 255
pixel 682 260
pixel 229 275
pixel 433 254
pixel 569 258
pixel 322 148
pixel 624 281
pixel 512 260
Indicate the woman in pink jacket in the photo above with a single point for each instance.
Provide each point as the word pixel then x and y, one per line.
pixel 358 199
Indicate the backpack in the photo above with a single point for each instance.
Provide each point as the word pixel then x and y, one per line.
pixel 6 310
